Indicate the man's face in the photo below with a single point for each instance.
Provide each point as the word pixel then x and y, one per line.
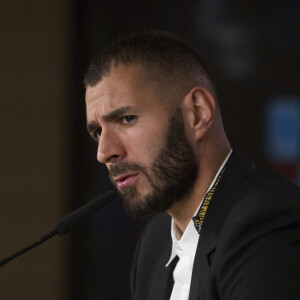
pixel 143 146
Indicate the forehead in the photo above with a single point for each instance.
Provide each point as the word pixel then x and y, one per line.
pixel 123 86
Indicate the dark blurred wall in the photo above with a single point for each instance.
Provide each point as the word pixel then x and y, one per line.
pixel 35 59
pixel 48 163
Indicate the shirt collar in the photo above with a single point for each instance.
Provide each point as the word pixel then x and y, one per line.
pixel 189 240
pixel 186 244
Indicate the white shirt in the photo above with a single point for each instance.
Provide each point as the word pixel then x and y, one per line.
pixel 185 248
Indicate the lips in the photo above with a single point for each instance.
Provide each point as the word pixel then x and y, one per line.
pixel 125 180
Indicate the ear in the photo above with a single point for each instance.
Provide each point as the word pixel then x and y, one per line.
pixel 198 107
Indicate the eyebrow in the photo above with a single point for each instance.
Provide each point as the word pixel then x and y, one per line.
pixel 117 113
pixel 93 125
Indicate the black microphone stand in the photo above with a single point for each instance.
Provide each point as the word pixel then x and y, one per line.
pixel 38 242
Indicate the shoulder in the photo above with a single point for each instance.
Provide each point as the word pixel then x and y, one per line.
pixel 267 203
pixel 261 238
pixel 270 185
pixel 268 192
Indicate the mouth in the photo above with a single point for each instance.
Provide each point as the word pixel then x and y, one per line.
pixel 125 180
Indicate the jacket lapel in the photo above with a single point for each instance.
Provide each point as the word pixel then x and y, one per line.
pixel 237 169
pixel 162 282
pixel 201 265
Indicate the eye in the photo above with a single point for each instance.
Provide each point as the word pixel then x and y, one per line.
pixel 127 120
pixel 97 133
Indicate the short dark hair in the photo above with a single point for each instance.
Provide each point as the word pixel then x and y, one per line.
pixel 163 57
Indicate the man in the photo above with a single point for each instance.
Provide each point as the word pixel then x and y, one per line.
pixel 223 229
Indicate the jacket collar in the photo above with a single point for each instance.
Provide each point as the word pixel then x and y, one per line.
pixel 237 169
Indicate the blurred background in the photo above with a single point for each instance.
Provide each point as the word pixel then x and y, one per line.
pixel 48 163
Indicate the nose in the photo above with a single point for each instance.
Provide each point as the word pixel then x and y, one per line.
pixel 110 147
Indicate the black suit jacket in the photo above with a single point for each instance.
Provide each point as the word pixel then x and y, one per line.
pixel 249 246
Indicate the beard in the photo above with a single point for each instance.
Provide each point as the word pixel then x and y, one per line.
pixel 171 175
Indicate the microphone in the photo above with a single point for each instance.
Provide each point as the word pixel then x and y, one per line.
pixel 68 222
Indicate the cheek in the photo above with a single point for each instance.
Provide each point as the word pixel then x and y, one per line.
pixel 146 144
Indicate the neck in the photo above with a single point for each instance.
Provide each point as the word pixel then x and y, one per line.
pixel 183 211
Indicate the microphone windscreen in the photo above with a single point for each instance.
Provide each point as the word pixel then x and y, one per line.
pixel 80 214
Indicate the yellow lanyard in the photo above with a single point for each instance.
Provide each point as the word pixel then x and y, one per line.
pixel 199 217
